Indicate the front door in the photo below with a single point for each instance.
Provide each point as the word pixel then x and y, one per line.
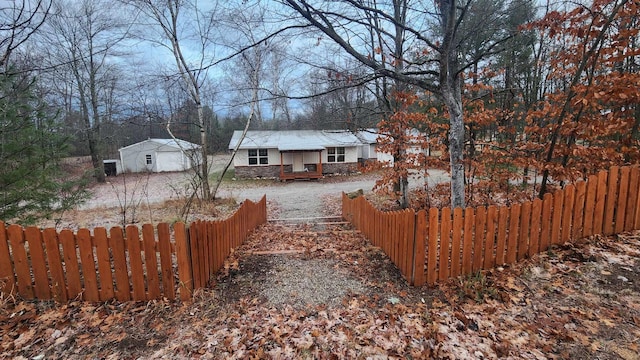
pixel 298 163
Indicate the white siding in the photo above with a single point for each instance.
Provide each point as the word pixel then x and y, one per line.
pixel 171 161
pixel 135 160
pixel 350 154
pixel 242 158
pixel 163 158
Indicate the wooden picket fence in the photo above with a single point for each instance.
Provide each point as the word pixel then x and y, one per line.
pixel 127 264
pixel 436 245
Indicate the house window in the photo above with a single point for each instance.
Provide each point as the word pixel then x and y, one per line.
pixel 258 156
pixel 149 162
pixel 335 154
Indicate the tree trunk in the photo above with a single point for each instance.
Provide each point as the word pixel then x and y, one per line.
pixel 94 131
pixel 451 92
pixel 204 165
pixel 453 102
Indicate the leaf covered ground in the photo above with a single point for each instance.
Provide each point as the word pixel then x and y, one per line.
pixel 297 291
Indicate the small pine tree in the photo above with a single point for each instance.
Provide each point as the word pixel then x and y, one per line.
pixel 32 184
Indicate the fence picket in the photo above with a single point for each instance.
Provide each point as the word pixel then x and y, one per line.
pixel 185 272
pixel 104 263
pixel 489 245
pixel 135 260
pixel 432 272
pixel 467 242
pixel 636 221
pixel 408 251
pixel 589 206
pixel 631 201
pixel 445 239
pixel 20 261
pixel 71 266
pixel 219 228
pixel 194 245
pixel 419 248
pixel 88 263
pixel 512 242
pixel 478 238
pixel 38 263
pixel 456 252
pixel 58 284
pixel 578 210
pixel 545 228
pixel 601 197
pixel 503 215
pixel 203 246
pixel 398 229
pixel 205 240
pixel 164 247
pixel 523 237
pixel 622 200
pixel 388 234
pixel 6 267
pixel 536 214
pixel 123 286
pixel 556 219
pixel 569 200
pixel 151 261
pixel 211 237
pixel 612 195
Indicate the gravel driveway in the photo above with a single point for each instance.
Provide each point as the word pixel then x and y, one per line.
pixel 293 199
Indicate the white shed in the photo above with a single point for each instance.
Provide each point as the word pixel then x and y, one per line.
pixel 159 155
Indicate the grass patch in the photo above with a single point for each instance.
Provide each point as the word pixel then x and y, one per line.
pixel 228 176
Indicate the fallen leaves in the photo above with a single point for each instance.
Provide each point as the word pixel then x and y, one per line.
pixel 569 302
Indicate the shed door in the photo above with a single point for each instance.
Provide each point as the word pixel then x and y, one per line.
pixel 298 163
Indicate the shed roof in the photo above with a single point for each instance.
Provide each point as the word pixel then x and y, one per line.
pixel 166 144
pixel 291 140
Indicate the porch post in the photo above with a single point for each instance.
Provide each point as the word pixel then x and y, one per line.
pixel 320 162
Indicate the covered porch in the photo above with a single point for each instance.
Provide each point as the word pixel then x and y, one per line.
pixel 304 164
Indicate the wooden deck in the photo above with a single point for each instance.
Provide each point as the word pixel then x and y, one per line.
pixel 300 175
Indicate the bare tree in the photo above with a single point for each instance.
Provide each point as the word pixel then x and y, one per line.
pixel 168 16
pixel 82 40
pixel 19 20
pixel 435 63
pixel 258 64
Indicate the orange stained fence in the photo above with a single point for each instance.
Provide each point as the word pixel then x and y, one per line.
pixel 134 263
pixel 431 246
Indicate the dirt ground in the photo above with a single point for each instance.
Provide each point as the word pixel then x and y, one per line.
pixel 304 291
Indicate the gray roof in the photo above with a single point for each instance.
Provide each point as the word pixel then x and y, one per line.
pixel 291 140
pixel 368 136
pixel 167 144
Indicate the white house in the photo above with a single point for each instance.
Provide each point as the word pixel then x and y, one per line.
pixel 159 155
pixel 295 154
